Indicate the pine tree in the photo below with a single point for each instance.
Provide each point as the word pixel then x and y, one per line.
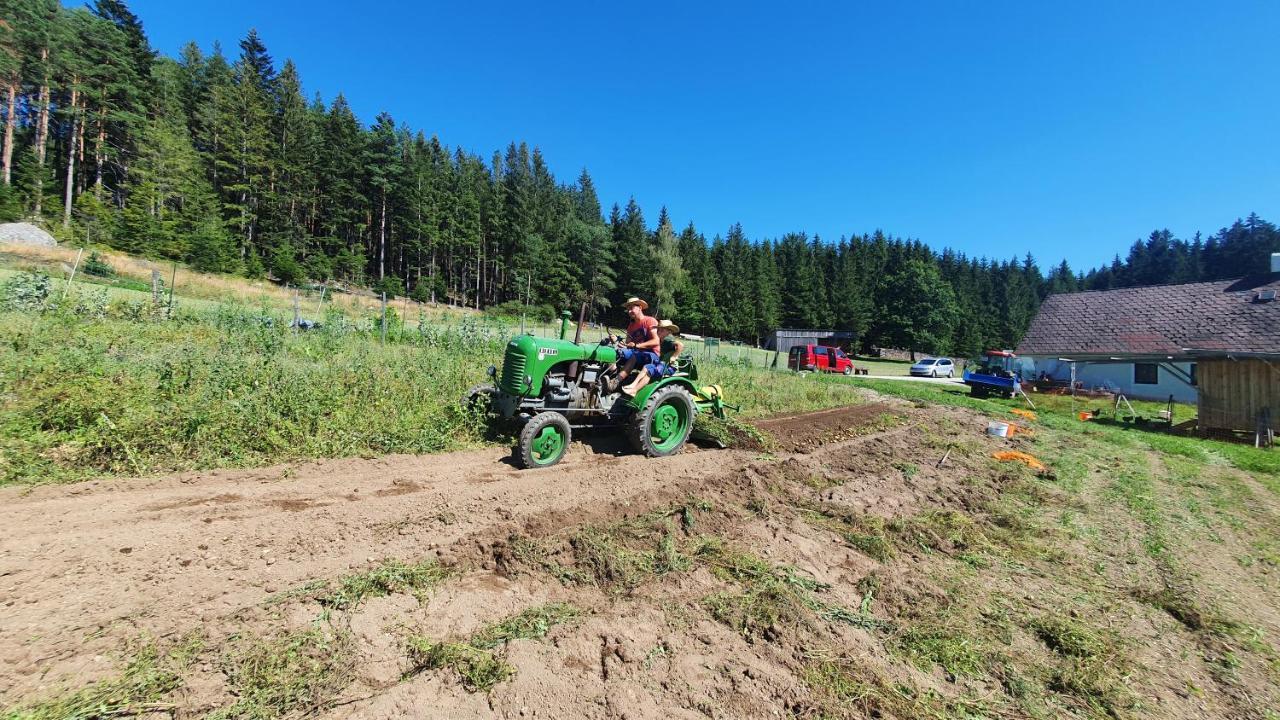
pixel 919 312
pixel 767 289
pixel 630 242
pixel 668 271
pixel 382 158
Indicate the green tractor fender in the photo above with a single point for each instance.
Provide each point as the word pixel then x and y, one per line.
pixel 642 397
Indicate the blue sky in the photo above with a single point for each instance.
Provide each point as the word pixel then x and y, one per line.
pixel 1068 130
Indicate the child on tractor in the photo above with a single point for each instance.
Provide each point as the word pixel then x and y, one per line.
pixel 669 349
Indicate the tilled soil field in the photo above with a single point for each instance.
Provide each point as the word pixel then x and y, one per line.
pixel 849 572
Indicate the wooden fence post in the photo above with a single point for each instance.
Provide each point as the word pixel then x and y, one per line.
pixel 173 283
pixel 155 286
pixel 384 319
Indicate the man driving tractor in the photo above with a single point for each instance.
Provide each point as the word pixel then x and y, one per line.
pixel 669 349
pixel 640 347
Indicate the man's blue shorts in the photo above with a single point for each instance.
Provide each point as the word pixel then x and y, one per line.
pixel 658 370
pixel 643 357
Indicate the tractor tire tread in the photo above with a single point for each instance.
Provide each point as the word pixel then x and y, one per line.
pixel 637 430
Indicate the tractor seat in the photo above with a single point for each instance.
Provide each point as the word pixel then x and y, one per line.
pixel 680 366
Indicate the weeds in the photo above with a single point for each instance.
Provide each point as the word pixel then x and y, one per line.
pixel 619 557
pixel 730 432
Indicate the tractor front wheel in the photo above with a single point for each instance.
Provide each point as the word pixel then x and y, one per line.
pixel 663 425
pixel 543 441
pixel 478 398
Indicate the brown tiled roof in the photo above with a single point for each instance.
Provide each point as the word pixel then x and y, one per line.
pixel 1195 318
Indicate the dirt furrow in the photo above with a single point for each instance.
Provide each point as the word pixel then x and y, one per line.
pixel 82 565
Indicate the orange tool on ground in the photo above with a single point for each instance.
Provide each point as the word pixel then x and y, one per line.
pixel 1017 456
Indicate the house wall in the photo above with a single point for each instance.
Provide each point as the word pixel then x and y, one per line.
pixel 1233 392
pixel 1117 377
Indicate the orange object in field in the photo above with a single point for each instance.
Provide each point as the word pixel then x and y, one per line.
pixel 1023 413
pixel 1085 415
pixel 1017 456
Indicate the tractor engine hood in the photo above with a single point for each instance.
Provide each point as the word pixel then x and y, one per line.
pixel 528 359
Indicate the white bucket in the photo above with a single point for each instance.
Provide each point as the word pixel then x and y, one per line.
pixel 998 429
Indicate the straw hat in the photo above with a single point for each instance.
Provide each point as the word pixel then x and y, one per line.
pixel 635 301
pixel 669 326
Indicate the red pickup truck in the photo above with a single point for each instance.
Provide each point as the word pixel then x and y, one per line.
pixel 819 358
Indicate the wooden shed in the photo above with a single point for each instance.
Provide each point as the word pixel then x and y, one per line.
pixel 1236 393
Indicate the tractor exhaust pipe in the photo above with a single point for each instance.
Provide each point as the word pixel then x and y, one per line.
pixel 565 315
pixel 582 317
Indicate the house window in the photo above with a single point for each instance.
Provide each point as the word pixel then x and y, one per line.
pixel 1146 373
pixel 1194 381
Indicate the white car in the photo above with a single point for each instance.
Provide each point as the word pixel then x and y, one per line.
pixel 934 368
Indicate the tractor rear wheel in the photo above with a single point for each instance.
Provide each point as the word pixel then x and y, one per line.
pixel 662 426
pixel 543 441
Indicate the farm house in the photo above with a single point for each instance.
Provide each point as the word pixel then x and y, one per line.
pixel 1215 344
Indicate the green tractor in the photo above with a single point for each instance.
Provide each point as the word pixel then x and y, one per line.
pixel 553 386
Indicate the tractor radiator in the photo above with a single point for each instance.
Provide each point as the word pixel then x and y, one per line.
pixel 513 370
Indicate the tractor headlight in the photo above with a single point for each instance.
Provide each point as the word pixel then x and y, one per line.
pixel 528 381
pixel 493 371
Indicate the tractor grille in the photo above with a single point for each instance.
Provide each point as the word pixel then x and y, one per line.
pixel 513 372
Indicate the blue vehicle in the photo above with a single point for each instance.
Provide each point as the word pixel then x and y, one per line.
pixel 994 376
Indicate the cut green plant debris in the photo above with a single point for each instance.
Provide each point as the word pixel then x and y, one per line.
pixel 149 677
pixel 478 669
pixel 619 557
pixel 531 624
pixel 864 533
pixel 477 660
pixel 947 646
pixel 296 672
pixel 1093 667
pixel 391 576
pixel 845 688
pixel 730 432
pixel 771 597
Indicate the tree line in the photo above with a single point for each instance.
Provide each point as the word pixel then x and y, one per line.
pixel 225 164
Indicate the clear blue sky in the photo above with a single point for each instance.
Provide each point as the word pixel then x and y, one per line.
pixel 996 128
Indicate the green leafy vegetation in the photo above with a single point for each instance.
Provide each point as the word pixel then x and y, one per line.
pixel 97 383
pixel 135 393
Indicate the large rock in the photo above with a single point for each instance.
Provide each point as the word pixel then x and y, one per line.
pixel 25 234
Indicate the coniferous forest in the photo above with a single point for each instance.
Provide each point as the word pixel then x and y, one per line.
pixel 222 161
